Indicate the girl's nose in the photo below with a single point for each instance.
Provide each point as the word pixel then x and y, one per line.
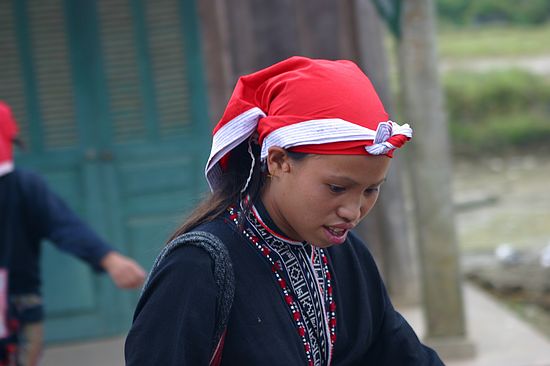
pixel 350 212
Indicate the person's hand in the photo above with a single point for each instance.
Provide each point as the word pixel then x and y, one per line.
pixel 124 272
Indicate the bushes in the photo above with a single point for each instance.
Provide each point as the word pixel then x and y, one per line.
pixel 497 111
pixel 487 11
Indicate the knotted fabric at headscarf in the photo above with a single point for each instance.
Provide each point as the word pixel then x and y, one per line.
pixel 305 105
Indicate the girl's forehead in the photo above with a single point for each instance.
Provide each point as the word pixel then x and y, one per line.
pixel 344 158
pixel 352 166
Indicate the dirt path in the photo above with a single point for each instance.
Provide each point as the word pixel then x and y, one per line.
pixel 514 203
pixel 536 64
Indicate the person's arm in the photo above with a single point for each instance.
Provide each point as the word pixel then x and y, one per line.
pixel 53 219
pixel 174 322
pixel 396 342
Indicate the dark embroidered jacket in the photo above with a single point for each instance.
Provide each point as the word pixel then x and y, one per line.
pixel 294 305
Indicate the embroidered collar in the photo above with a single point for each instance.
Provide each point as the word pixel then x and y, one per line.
pixel 302 273
pixel 262 216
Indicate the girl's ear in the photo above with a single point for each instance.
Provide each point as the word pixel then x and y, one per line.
pixel 278 161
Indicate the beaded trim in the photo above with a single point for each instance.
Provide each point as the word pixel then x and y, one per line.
pixel 314 339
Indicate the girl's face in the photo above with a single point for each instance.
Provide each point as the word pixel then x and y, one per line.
pixel 320 198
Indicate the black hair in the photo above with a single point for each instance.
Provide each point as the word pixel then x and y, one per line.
pixel 228 192
pixel 229 189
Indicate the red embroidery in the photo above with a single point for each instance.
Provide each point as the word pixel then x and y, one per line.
pixel 276 269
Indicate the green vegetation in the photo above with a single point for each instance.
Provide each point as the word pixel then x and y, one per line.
pixel 493 41
pixel 475 12
pixel 497 111
pixel 493 28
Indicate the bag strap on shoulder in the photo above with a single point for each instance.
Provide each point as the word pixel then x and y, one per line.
pixel 223 274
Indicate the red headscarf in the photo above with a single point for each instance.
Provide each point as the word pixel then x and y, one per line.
pixel 8 132
pixel 306 105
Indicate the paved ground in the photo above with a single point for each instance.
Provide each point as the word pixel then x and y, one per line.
pixel 100 353
pixel 500 337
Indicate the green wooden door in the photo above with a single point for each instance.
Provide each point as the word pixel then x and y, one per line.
pixel 154 133
pixel 110 99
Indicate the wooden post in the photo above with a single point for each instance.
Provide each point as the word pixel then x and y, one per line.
pixel 431 167
pixel 217 56
pixel 387 230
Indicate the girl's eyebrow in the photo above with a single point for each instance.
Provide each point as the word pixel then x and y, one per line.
pixel 350 181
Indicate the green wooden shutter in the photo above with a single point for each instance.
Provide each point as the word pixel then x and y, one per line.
pixel 54 86
pixel 123 72
pixel 157 131
pixel 169 67
pixel 145 69
pixel 12 88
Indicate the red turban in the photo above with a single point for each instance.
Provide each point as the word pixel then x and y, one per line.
pixel 306 105
pixel 8 132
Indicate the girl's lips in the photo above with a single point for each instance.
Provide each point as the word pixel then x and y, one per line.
pixel 335 237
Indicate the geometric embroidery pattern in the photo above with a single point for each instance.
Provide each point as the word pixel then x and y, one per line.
pixel 303 275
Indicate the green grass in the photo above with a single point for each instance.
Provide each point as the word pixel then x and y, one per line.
pixel 487 42
pixel 500 133
pixel 497 111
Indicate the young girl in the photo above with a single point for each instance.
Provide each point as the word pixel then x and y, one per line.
pixel 297 160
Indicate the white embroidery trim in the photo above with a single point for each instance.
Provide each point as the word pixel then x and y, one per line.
pixel 312 132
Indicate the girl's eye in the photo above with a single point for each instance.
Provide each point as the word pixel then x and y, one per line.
pixel 336 189
pixel 373 190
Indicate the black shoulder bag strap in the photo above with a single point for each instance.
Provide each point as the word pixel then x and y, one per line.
pixel 223 276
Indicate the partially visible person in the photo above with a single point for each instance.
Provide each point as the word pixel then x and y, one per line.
pixel 266 270
pixel 31 212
